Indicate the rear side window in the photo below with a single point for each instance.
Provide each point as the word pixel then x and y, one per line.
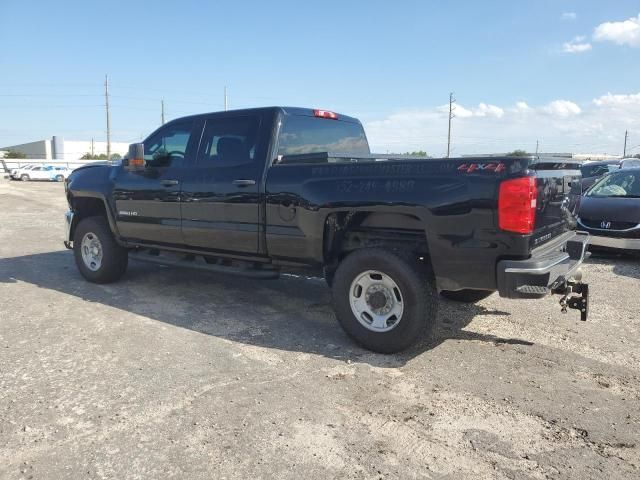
pixel 300 134
pixel 594 170
pixel 229 141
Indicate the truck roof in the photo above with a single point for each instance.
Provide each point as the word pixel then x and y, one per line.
pixel 285 110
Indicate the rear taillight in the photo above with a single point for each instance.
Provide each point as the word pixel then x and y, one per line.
pixel 517 205
pixel 325 114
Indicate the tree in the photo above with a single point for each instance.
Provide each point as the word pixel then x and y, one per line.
pixel 102 156
pixel 115 156
pixel 417 153
pixel 518 153
pixel 14 154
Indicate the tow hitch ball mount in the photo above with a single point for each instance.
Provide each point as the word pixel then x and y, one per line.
pixel 580 301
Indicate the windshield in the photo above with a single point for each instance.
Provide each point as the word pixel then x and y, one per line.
pixel 301 134
pixel 619 184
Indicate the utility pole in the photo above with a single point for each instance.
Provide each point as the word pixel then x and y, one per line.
pixel 226 99
pixel 106 103
pixel 92 148
pixel 451 116
pixel 626 136
pixel 162 114
pixel 537 145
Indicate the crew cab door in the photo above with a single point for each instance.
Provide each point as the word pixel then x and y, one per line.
pixel 148 201
pixel 221 191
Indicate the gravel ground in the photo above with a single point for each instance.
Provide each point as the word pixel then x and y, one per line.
pixel 180 374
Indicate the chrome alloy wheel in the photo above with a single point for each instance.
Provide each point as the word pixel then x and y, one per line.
pixel 376 301
pixel 91 250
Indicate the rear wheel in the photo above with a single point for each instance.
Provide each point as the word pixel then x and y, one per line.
pixel 384 300
pixel 466 296
pixel 59 178
pixel 98 256
pixel 24 177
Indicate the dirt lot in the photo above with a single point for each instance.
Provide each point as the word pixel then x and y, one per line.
pixel 181 374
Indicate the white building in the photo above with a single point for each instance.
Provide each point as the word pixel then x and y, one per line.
pixel 60 149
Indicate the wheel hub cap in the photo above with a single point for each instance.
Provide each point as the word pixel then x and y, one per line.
pixel 91 250
pixel 376 301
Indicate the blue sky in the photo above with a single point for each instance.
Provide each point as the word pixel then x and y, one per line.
pixel 392 64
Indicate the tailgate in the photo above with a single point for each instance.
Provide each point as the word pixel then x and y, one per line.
pixel 558 196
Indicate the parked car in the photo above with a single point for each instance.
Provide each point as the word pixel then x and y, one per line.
pixel 630 163
pixel 56 173
pixel 16 173
pixel 593 171
pixel 36 172
pixel 59 173
pixel 259 191
pixel 610 211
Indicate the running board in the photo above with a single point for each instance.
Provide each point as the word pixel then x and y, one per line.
pixel 170 259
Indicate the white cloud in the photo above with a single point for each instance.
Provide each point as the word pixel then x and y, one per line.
pixel 569 16
pixel 485 110
pixel 611 100
pixel 626 32
pixel 562 108
pixel 482 110
pixel 462 112
pixel 560 125
pixel 577 45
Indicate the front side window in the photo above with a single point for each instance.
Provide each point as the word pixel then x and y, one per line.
pixel 301 134
pixel 619 184
pixel 168 146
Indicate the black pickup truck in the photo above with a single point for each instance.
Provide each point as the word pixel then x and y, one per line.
pixel 260 191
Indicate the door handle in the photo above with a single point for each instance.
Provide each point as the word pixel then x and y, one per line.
pixel 244 183
pixel 169 183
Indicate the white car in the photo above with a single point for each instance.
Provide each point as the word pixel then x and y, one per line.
pixel 16 172
pixel 58 173
pixel 43 172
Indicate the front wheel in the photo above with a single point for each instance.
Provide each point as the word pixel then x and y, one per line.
pixel 59 178
pixel 98 256
pixel 24 177
pixel 466 296
pixel 384 300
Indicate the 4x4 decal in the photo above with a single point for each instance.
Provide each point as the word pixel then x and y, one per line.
pixel 473 167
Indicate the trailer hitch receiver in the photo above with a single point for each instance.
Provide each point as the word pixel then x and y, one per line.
pixel 579 301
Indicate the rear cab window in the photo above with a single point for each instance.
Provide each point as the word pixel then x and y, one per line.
pixel 300 134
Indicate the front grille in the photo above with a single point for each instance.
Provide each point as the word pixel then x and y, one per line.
pixel 587 222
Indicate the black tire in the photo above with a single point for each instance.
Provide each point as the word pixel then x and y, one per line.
pixel 466 296
pixel 59 178
pixel 114 257
pixel 24 177
pixel 417 288
pixel 329 274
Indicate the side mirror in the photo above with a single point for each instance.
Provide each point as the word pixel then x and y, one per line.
pixel 135 157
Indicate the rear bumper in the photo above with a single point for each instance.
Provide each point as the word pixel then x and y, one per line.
pixel 611 242
pixel 543 273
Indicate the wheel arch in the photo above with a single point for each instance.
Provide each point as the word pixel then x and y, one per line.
pixel 84 206
pixel 347 231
